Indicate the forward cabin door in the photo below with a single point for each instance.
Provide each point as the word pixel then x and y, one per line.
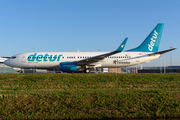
pixel 137 59
pixel 23 59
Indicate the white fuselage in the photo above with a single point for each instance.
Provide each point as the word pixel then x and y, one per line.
pixel 53 59
pixel 73 61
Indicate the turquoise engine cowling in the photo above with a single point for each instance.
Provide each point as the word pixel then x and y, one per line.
pixel 68 66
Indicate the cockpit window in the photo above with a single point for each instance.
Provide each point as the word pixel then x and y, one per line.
pixel 13 57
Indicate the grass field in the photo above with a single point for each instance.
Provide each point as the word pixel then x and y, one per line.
pixel 63 96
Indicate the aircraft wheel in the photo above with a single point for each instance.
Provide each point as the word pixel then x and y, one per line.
pixel 86 71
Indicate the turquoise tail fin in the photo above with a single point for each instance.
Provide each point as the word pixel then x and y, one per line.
pixel 152 41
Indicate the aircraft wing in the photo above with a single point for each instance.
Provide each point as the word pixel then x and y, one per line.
pixel 101 57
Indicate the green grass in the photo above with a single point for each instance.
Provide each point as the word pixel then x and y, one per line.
pixel 63 96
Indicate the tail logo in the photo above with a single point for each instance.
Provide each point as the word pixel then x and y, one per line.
pixel 153 40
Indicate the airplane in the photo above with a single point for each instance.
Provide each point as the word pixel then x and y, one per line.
pixel 83 61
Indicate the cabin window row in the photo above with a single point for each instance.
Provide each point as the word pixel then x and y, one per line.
pixel 119 57
pixel 80 57
pixel 83 57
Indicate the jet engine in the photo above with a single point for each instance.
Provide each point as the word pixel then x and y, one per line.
pixel 69 66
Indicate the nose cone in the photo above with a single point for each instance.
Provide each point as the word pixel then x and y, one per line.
pixel 7 62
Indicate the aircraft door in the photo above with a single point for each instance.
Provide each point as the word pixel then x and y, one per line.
pixel 23 59
pixel 137 59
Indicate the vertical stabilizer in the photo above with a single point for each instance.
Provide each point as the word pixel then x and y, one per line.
pixel 151 43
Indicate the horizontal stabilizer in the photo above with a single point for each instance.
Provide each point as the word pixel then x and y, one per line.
pixel 151 54
pixel 162 52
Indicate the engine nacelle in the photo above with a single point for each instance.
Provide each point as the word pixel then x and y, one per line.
pixel 69 66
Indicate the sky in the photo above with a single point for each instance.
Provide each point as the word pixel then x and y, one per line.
pixel 87 25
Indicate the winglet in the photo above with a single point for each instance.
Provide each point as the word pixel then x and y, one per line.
pixel 121 47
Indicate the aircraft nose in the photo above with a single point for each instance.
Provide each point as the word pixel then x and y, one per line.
pixel 7 62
